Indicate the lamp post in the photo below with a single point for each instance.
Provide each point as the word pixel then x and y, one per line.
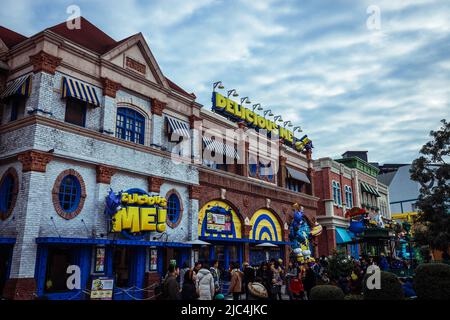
pixel 258 105
pixel 219 85
pixel 232 92
pixel 278 118
pixel 246 100
pixel 268 112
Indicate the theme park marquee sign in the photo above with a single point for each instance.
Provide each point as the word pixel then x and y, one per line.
pixel 135 213
pixel 236 112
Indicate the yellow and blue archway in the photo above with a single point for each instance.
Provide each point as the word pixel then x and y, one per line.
pixel 220 207
pixel 265 227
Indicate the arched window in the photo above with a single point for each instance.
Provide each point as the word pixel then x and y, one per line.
pixel 130 125
pixel 69 193
pixel 337 196
pixel 7 195
pixel 348 196
pixel 173 208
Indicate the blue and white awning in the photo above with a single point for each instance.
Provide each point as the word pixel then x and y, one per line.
pixel 79 90
pixel 221 148
pixel 20 86
pixel 179 127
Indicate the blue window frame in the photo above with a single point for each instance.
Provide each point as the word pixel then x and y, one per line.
pixel 6 193
pixel 69 193
pixel 130 125
pixel 173 208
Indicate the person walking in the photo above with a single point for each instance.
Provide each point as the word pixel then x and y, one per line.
pixel 249 277
pixel 277 280
pixel 189 289
pixel 171 288
pixel 183 270
pixel 205 284
pixel 291 274
pixel 216 275
pixel 236 281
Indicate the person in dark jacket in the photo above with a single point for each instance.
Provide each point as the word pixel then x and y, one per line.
pixel 171 287
pixel 189 290
pixel 309 281
pixel 249 277
pixel 265 276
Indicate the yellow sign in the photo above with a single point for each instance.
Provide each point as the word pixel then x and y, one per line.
pixel 238 112
pixel 141 212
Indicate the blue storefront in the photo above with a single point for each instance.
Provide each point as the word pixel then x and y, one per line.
pixel 125 261
pixel 6 249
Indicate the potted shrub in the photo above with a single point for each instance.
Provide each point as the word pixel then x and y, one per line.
pixel 390 288
pixel 326 292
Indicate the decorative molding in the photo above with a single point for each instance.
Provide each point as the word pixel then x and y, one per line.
pixel 55 195
pixel 105 173
pixel 110 87
pixel 154 184
pixel 12 172
pixel 158 106
pixel 44 62
pixel 223 193
pixel 34 161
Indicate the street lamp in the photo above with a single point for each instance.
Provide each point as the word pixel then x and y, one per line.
pixel 258 105
pixel 288 123
pixel 268 112
pixel 232 92
pixel 246 100
pixel 278 118
pixel 218 84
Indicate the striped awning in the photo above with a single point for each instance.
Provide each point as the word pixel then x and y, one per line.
pixel 179 127
pixel 298 175
pixel 221 148
pixel 20 86
pixel 79 90
pixel 369 189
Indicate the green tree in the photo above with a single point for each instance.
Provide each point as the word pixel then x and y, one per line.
pixel 339 265
pixel 432 171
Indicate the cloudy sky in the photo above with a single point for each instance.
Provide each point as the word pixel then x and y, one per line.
pixel 317 63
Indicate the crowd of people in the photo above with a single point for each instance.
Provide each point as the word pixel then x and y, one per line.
pixel 269 280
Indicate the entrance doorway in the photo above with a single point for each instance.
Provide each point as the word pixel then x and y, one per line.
pixel 5 261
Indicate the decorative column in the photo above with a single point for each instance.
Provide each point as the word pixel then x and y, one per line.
pixel 108 120
pixel 196 126
pixel 22 284
pixel 194 196
pixel 247 229
pixel 103 175
pixel 282 172
pixel 157 122
pixel 44 69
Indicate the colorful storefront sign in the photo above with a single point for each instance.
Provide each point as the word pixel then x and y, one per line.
pixel 102 289
pixel 135 213
pixel 217 219
pixel 236 112
pixel 265 227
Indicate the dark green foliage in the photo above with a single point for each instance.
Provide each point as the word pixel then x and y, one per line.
pixel 326 292
pixel 390 288
pixel 339 265
pixel 432 171
pixel 432 281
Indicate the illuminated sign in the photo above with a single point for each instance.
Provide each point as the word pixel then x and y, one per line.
pixel 238 112
pixel 136 213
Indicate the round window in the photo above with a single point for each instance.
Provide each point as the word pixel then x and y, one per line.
pixel 8 193
pixel 69 194
pixel 174 209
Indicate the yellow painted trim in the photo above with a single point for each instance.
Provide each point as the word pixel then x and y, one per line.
pixel 222 204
